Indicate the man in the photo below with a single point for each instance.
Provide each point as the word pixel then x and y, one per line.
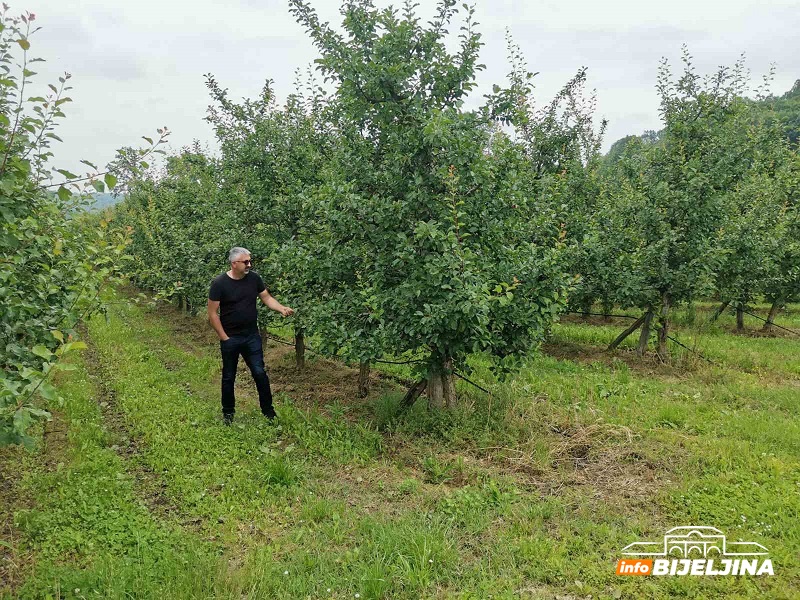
pixel 235 293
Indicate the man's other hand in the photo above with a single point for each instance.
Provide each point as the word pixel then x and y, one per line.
pixel 286 311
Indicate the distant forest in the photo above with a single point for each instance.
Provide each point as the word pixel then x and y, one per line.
pixel 785 108
pixel 103 200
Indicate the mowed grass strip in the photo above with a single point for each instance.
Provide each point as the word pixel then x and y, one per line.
pixel 251 484
pixel 775 356
pixel 173 408
pixel 88 533
pixel 540 503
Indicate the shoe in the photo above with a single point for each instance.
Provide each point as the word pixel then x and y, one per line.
pixel 270 414
pixel 227 418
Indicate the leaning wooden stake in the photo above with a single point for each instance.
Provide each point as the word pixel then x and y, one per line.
pixel 776 306
pixel 413 393
pixel 720 309
pixel 636 324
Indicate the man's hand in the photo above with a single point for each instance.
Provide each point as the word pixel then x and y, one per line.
pixel 273 304
pixel 213 318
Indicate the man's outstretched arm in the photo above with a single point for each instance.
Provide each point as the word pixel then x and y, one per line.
pixel 273 304
pixel 213 318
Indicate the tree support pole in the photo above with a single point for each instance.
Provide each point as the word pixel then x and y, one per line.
pixel 413 393
pixel 636 324
pixel 776 306
pixel 363 379
pixel 720 309
pixel 299 349
pixel 663 331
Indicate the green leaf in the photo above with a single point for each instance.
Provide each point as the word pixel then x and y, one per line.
pixel 69 347
pixel 24 44
pixel 40 350
pixel 67 174
pixel 48 392
pixel 99 186
pixel 111 181
pixel 7 216
pixel 57 334
pixel 38 412
pixel 64 194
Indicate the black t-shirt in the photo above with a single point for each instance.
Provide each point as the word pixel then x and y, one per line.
pixel 237 302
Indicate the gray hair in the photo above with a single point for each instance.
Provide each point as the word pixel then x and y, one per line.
pixel 235 252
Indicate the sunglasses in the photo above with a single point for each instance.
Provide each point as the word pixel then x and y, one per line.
pixel 247 262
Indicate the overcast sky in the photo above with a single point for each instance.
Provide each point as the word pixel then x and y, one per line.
pixel 139 65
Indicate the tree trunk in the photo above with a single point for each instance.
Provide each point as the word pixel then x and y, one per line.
pixel 413 393
pixel 363 379
pixel 644 336
pixel 182 303
pixel 715 315
pixel 663 331
pixel 739 317
pixel 636 324
pixel 299 349
pixel 607 308
pixel 776 306
pixel 441 383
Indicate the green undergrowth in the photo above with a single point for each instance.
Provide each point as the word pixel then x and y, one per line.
pixel 91 535
pixel 531 492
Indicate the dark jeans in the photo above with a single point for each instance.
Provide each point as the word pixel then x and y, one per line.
pixel 249 346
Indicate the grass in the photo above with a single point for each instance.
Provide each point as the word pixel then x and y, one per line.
pixel 530 494
pixel 88 530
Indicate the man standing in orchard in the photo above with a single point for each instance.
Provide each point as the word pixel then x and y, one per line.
pixel 234 293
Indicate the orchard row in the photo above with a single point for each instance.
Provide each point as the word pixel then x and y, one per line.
pixel 397 221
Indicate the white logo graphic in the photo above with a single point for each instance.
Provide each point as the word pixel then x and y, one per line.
pixel 694 550
pixel 694 540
